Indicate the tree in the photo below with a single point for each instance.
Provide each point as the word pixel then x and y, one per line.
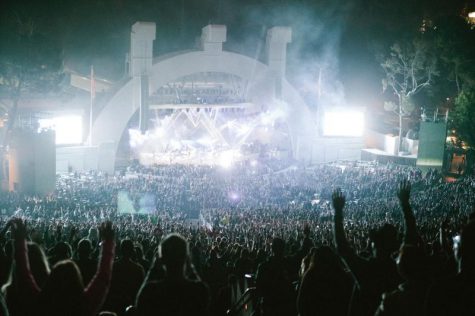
pixel 463 117
pixel 30 62
pixel 409 68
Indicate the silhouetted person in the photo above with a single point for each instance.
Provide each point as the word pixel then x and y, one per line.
pixel 39 269
pixel 373 276
pixel 141 258
pixel 127 277
pixel 325 287
pixel 176 294
pixel 274 283
pixel 85 263
pixel 456 295
pixel 413 266
pixel 61 251
pixel 63 293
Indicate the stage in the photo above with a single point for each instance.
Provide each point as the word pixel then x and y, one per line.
pixel 371 154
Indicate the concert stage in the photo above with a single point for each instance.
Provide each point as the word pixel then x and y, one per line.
pixel 381 156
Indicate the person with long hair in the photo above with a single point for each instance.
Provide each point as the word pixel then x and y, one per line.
pixel 63 292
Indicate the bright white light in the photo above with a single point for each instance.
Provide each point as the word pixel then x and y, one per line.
pixel 136 138
pixel 174 144
pixel 234 196
pixel 471 15
pixel 205 141
pixel 68 128
pixel 243 129
pixel 343 123
pixel 159 132
pixel 253 163
pixel 227 158
pixel 267 120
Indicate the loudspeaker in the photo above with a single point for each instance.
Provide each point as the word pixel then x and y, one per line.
pixel 144 104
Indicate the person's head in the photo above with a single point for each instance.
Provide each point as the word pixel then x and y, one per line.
pixel 65 276
pixel 62 251
pixel 84 248
pixel 385 240
pixel 63 291
pixel 464 247
pixel 173 251
pixel 93 234
pixel 278 247
pixel 244 253
pixel 127 248
pixel 324 257
pixel 412 263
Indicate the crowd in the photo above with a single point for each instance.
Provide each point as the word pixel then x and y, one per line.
pixel 334 239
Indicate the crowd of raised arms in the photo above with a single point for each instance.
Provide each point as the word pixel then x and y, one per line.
pixel 335 239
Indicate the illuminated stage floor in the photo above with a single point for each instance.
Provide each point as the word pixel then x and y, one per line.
pixel 371 154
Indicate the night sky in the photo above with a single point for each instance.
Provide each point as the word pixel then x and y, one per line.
pixel 341 37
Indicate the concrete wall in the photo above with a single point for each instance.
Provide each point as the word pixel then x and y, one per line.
pixel 112 121
pixel 31 162
pixel 78 158
pixel 328 149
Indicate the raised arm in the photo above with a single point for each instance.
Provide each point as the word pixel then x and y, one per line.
pixel 96 291
pixel 4 230
pixel 357 265
pixel 26 280
pixel 342 244
pixel 410 228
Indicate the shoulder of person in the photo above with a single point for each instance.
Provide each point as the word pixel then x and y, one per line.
pixel 390 301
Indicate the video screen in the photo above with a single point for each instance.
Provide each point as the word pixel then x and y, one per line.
pixel 68 128
pixel 135 203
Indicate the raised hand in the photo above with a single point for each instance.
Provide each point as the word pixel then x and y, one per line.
pixel 404 191
pixel 6 227
pixel 106 232
pixel 18 227
pixel 338 199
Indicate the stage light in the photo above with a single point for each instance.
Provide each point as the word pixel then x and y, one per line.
pixel 343 123
pixel 136 138
pixel 267 119
pixel 68 128
pixel 234 196
pixel 159 132
pixel 244 129
pixel 226 159
pixel 205 141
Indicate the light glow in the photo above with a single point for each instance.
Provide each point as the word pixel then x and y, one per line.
pixel 343 123
pixel 68 128
pixel 227 158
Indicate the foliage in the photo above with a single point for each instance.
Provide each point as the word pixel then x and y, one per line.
pixel 29 61
pixel 463 117
pixel 409 68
